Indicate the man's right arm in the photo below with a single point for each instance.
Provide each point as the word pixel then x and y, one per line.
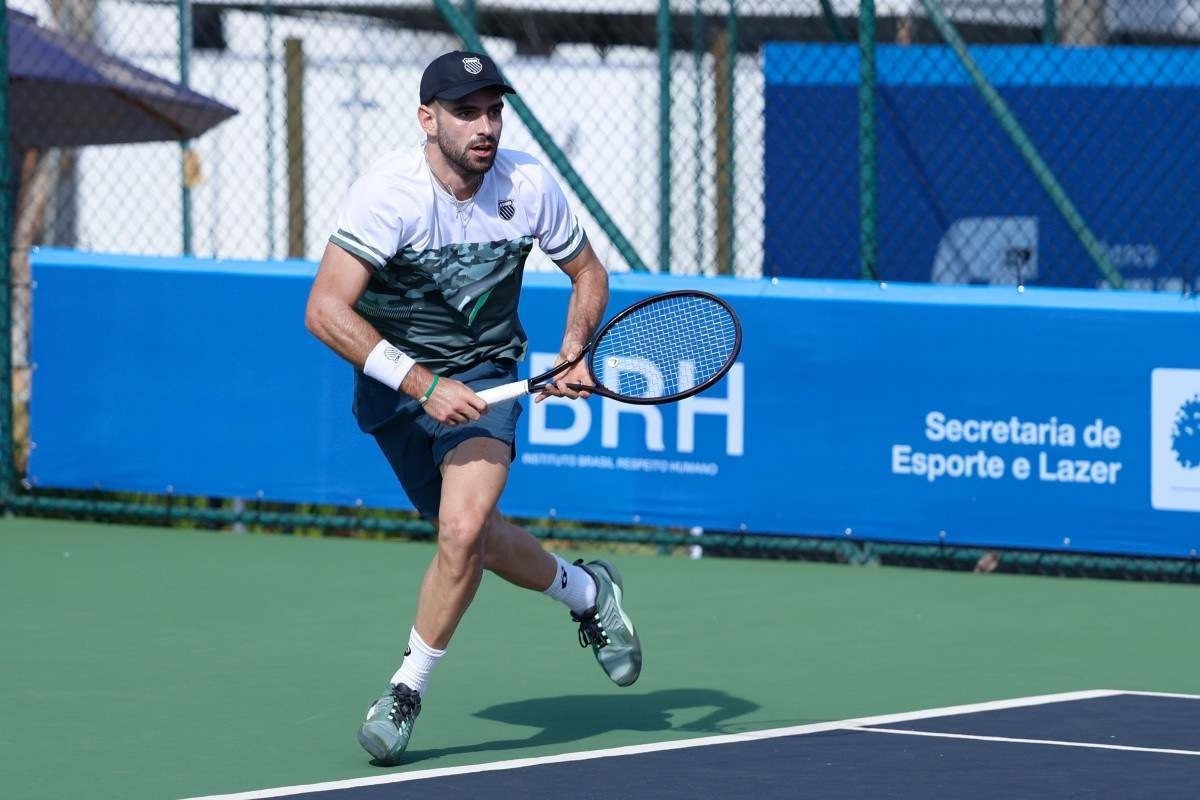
pixel 330 316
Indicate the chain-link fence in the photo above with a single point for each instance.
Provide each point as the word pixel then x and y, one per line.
pixel 988 142
pixel 830 138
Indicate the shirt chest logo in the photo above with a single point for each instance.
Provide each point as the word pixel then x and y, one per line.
pixel 507 209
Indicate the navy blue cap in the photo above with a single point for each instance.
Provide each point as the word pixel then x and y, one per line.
pixel 453 76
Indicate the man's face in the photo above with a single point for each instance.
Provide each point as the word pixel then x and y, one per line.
pixel 468 130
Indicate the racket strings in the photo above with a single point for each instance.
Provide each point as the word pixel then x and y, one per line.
pixel 666 347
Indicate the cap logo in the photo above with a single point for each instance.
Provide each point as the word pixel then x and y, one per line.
pixel 473 65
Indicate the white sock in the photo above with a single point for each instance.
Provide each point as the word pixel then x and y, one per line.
pixel 573 587
pixel 419 661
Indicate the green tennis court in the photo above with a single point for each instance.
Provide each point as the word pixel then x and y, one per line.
pixel 156 663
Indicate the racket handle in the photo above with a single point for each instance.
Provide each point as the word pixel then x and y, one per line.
pixel 507 391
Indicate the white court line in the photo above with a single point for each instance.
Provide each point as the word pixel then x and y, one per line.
pixel 748 736
pixel 1164 694
pixel 974 737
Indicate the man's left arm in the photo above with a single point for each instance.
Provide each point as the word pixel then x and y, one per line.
pixel 589 298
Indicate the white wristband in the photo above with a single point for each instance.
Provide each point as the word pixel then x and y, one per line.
pixel 388 364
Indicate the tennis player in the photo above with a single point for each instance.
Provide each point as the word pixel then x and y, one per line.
pixel 418 289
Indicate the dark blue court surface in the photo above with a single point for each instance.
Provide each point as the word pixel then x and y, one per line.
pixel 1096 744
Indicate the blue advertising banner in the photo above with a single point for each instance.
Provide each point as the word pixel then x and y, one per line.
pixel 1057 419
pixel 957 203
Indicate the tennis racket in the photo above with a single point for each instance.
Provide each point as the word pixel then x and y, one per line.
pixel 659 350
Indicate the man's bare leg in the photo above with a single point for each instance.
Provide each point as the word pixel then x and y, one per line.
pixel 473 476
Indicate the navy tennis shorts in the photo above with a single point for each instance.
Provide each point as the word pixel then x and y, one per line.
pixel 415 444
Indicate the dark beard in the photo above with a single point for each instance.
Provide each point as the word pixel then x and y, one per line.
pixel 462 160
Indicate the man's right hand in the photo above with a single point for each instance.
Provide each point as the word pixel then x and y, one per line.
pixel 453 403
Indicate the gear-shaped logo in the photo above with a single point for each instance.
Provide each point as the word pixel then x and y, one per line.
pixel 1185 434
pixel 1175 439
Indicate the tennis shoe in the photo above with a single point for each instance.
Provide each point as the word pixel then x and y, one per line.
pixel 607 629
pixel 389 723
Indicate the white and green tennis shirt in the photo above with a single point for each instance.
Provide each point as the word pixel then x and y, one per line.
pixel 446 276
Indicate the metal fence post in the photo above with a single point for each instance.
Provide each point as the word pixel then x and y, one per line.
pixel 664 135
pixel 867 177
pixel 730 173
pixel 7 190
pixel 185 191
pixel 269 115
pixel 1050 22
pixel 699 103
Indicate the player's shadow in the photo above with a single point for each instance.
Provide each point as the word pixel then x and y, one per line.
pixel 562 720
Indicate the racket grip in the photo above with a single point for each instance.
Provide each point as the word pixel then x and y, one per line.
pixel 507 391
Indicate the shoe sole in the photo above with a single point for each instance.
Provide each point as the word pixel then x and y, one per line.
pixel 375 745
pixel 637 640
